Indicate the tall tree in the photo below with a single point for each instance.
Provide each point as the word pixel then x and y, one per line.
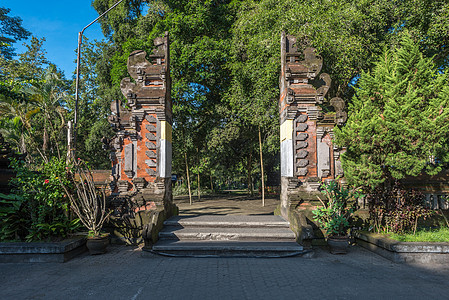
pixel 11 31
pixel 398 121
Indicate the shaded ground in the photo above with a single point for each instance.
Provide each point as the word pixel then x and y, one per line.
pixel 126 272
pixel 224 204
pixel 123 273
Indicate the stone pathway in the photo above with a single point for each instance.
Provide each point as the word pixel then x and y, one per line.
pixel 127 273
pixel 123 273
pixel 227 204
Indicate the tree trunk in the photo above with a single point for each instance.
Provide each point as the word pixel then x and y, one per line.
pixel 250 179
pixel 188 178
pixel 261 169
pixel 45 140
pixel 198 176
pixel 211 184
pixel 199 188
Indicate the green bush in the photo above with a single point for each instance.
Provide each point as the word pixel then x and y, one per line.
pixel 179 190
pixel 41 209
pixel 13 220
pixel 396 209
pixel 335 214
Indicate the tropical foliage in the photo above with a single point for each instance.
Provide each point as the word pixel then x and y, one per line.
pixel 335 214
pixel 388 59
pixel 398 121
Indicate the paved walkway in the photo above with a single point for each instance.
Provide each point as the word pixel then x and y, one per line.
pixel 123 273
pixel 226 204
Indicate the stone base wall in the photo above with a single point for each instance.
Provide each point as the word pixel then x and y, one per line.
pixel 404 252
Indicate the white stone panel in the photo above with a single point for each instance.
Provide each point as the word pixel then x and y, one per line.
pixel 287 158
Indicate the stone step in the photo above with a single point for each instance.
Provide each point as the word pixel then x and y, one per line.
pixel 228 248
pixel 228 221
pixel 226 233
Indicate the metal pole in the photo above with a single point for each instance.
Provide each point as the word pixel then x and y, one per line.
pixel 80 41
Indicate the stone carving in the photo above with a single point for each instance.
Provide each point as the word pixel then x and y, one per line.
pixel 123 186
pixel 300 145
pixel 339 106
pixel 302 171
pixel 150 145
pixel 308 156
pixel 302 136
pixel 150 154
pixel 150 136
pixel 303 163
pixel 150 127
pixel 302 118
pixel 301 127
pixel 141 149
pixel 302 153
pixel 150 118
pixel 139 183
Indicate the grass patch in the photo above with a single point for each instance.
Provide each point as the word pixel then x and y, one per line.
pixel 432 235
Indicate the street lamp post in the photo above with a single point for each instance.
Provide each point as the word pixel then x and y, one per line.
pixel 80 41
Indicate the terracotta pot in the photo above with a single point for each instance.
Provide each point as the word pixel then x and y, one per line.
pixel 338 244
pixel 97 244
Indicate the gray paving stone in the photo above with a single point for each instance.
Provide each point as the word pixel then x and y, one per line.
pixel 232 233
pixel 123 274
pixel 228 221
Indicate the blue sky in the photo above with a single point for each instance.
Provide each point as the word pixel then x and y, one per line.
pixel 59 22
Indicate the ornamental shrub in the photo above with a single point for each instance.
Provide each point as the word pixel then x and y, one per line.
pixel 44 207
pixel 335 214
pixel 396 210
pixel 398 121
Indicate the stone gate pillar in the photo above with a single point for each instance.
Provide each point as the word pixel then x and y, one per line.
pixel 142 148
pixel 308 156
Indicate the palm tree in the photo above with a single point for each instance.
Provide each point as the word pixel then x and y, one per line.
pixel 36 122
pixel 47 96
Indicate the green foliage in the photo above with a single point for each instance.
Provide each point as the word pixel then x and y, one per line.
pixel 44 207
pixel 396 209
pixel 11 31
pixel 180 189
pixel 12 217
pixel 334 216
pixel 398 120
pixel 32 110
pixel 225 63
pixel 440 235
pixel 59 230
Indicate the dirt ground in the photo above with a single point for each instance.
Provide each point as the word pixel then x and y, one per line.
pixel 226 204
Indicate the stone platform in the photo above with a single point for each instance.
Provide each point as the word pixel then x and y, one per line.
pixel 22 252
pixel 227 235
pixel 404 252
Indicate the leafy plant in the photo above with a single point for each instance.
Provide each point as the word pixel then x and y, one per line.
pixel 87 202
pixel 334 216
pixel 59 230
pixel 396 209
pixel 12 218
pixel 44 204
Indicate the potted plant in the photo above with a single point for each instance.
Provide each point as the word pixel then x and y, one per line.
pixel 89 204
pixel 335 213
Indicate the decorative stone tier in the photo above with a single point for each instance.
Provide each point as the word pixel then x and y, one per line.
pixel 404 252
pixel 142 148
pixel 308 156
pixel 141 151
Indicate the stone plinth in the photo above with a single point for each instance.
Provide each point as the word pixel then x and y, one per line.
pixel 308 156
pixel 141 151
